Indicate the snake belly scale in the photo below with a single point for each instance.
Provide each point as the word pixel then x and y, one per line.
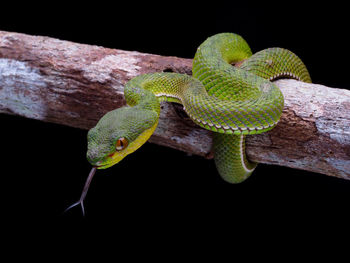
pixel 231 101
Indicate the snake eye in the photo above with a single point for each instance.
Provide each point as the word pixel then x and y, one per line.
pixel 121 144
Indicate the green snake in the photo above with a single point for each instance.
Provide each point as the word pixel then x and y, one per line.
pixel 232 101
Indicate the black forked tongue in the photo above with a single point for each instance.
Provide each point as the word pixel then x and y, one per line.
pixel 83 194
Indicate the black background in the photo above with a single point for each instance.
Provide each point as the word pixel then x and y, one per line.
pixel 44 166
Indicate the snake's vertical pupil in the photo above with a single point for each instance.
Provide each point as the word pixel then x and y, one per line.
pixel 121 144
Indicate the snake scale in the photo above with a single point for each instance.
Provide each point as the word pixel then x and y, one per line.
pixel 230 101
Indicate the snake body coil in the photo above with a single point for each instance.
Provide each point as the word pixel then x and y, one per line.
pixel 230 101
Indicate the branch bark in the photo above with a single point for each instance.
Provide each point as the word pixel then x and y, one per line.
pixel 76 84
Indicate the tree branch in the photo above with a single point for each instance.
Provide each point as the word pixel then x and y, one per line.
pixel 75 85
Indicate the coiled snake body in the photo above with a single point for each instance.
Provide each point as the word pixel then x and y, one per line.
pixel 230 101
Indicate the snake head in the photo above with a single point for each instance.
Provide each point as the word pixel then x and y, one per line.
pixel 119 133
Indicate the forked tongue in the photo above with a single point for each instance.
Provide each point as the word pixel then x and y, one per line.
pixel 83 194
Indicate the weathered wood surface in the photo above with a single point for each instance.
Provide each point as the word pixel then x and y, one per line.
pixel 75 84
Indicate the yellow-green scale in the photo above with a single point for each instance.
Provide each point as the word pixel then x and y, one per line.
pixel 232 102
pixel 216 55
